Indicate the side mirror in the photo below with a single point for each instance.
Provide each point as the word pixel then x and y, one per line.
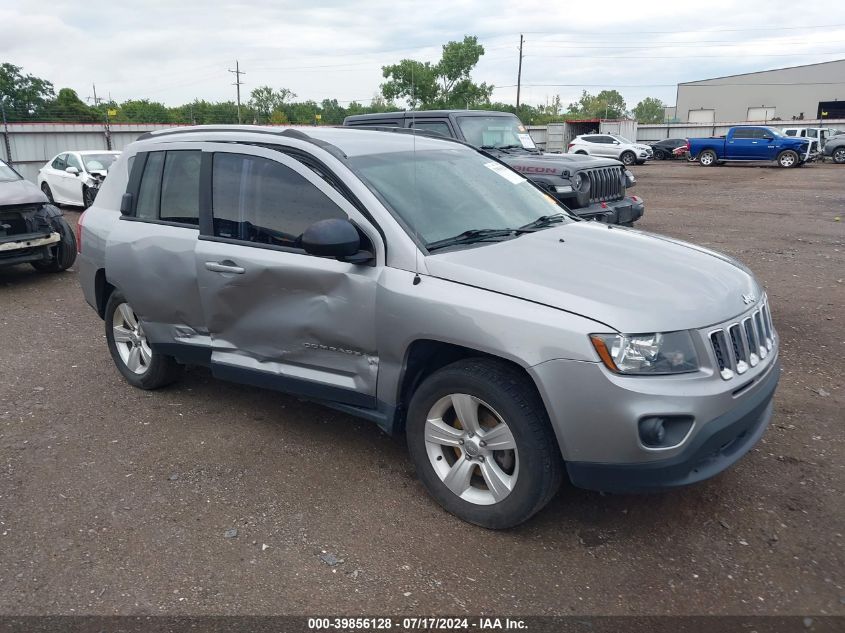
pixel 616 142
pixel 768 138
pixel 335 238
pixel 72 170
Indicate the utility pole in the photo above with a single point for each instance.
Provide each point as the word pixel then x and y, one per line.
pixel 106 129
pixel 519 74
pixel 238 72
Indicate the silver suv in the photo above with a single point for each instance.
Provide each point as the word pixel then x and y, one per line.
pixel 424 285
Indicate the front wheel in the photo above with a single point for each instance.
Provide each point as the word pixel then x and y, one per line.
pixel 63 254
pixel 45 188
pixel 839 156
pixel 482 444
pixel 88 195
pixel 628 158
pixel 130 349
pixel 787 159
pixel 707 158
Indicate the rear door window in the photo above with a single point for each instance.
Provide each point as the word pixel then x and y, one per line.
pixel 169 188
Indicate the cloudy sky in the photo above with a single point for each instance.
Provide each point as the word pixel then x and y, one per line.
pixel 176 51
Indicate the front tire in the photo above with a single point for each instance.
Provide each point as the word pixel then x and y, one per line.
pixel 787 159
pixel 130 350
pixel 707 158
pixel 481 441
pixel 628 158
pixel 839 156
pixel 63 253
pixel 87 197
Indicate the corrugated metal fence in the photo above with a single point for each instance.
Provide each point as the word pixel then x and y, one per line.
pixel 658 132
pixel 28 146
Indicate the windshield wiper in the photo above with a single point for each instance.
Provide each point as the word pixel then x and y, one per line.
pixel 469 237
pixel 542 222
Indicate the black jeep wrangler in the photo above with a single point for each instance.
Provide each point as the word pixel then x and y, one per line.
pixel 593 188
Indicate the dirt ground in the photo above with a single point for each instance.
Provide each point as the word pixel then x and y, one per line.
pixel 118 501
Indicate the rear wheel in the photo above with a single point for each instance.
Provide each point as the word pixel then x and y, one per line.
pixel 787 158
pixel 707 158
pixel 130 349
pixel 45 188
pixel 63 253
pixel 482 444
pixel 839 156
pixel 628 158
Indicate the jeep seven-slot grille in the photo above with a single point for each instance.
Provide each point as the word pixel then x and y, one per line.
pixel 606 183
pixel 743 344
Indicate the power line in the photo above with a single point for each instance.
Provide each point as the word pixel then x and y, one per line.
pixel 238 72
pixel 676 32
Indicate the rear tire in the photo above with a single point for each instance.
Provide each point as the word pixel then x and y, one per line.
pixel 490 487
pixel 131 353
pixel 628 158
pixel 707 158
pixel 787 159
pixel 64 252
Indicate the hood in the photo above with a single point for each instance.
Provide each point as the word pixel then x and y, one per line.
pixel 19 192
pixel 554 164
pixel 631 281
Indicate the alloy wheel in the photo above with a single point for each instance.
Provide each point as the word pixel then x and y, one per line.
pixel 129 339
pixel 471 449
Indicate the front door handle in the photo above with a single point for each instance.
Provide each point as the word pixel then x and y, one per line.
pixel 225 266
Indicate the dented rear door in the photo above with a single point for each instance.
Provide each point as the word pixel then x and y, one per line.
pixel 278 317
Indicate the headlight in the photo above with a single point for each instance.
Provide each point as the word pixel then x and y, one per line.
pixel 630 179
pixel 646 354
pixel 577 181
pixel 564 189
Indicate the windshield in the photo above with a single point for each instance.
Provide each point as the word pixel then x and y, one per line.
pixel 622 139
pixel 443 193
pixel 98 162
pixel 495 131
pixel 7 174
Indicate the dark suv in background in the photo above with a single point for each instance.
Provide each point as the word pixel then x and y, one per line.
pixel 593 188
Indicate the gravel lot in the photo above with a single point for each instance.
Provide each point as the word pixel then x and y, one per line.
pixel 118 501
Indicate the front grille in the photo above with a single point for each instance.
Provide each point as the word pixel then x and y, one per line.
pixel 743 344
pixel 606 183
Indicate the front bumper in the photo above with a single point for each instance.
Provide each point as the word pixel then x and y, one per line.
pixel 625 211
pixel 30 247
pixel 717 446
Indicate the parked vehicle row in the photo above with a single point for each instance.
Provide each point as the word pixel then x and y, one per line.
pixel 430 288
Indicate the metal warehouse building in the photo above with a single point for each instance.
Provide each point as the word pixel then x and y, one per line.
pixel 814 91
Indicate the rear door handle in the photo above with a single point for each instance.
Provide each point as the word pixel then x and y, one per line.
pixel 225 266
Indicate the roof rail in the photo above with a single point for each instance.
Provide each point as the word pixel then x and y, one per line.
pixel 334 150
pixel 414 131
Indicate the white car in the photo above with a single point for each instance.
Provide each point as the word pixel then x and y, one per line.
pixel 75 177
pixel 611 146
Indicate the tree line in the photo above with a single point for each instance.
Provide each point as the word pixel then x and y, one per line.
pixel 447 84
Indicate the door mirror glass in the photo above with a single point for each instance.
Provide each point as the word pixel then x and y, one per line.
pixel 768 138
pixel 72 170
pixel 332 238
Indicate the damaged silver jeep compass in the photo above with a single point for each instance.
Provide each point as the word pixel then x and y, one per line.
pixel 424 285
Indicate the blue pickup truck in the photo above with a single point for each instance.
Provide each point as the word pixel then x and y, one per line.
pixel 747 143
